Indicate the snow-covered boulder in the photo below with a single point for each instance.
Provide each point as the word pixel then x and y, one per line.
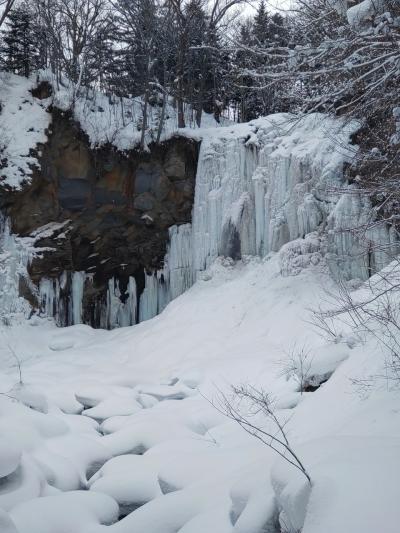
pixel 70 512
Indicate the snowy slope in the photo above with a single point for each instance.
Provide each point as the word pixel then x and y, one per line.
pixel 23 121
pixel 145 393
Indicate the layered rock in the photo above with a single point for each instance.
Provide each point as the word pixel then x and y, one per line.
pixel 113 236
pixel 115 209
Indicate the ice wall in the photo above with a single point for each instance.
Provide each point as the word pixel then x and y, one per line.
pixel 63 298
pixel 275 184
pixel 14 260
pixel 358 245
pixel 174 279
pixel 262 185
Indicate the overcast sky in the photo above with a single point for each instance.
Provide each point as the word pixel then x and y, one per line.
pixel 272 5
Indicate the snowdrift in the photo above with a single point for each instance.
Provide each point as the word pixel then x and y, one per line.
pixel 127 417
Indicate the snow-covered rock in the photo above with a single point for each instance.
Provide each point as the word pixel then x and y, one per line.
pixel 23 123
pixel 71 512
pixel 364 12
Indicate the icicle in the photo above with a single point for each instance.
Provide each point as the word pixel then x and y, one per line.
pixel 48 297
pixel 78 282
pixel 130 305
pixel 119 313
pixel 148 306
pixel 14 260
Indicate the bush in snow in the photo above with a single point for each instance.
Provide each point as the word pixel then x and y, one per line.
pixel 253 409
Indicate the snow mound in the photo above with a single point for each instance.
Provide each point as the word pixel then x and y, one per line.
pixel 301 253
pixel 10 456
pixel 130 479
pixel 71 512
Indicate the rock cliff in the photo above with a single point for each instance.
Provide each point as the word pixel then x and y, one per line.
pixel 115 209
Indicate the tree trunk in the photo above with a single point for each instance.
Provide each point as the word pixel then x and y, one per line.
pixel 162 117
pixel 144 122
pixel 181 112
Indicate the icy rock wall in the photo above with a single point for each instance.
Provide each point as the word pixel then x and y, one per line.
pixel 62 298
pixel 275 184
pixel 262 185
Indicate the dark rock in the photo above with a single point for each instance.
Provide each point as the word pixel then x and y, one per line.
pixel 73 194
pixel 175 166
pixel 108 196
pixel 144 202
pixel 42 91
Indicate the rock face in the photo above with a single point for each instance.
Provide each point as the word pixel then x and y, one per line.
pixel 116 208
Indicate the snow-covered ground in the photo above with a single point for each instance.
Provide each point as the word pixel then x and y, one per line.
pixel 121 423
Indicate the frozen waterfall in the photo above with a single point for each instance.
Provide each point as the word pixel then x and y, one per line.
pixel 274 184
pixel 63 297
pixel 174 279
pixel 120 313
pixel 262 185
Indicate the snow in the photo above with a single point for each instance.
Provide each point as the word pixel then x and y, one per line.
pixel 73 511
pixel 163 455
pixel 365 11
pixel 23 123
pixel 122 431
pixel 108 119
pixel 10 456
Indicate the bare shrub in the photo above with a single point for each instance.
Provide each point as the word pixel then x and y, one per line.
pixel 297 365
pixel 244 406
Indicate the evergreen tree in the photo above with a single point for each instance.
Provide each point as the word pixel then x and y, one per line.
pixel 19 46
pixel 261 25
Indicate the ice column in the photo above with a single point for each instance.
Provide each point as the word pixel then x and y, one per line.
pixel 121 313
pixel 148 305
pixel 49 293
pixel 78 283
pixel 223 194
pixel 15 254
pixel 358 246
pixel 174 278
